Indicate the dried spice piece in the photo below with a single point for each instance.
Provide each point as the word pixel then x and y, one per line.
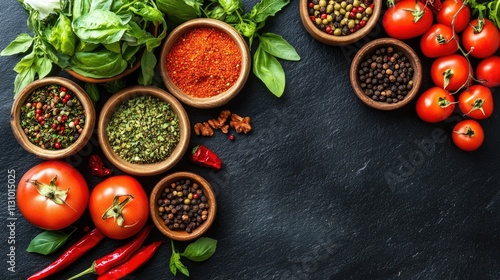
pixel 220 122
pixel 97 168
pixel 143 130
pixel 204 62
pixel 203 129
pixel 240 124
pixel 52 117
pixel 203 156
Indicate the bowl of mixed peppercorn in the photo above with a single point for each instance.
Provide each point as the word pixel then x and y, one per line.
pixel 339 22
pixel 386 74
pixel 205 63
pixel 143 130
pixel 183 206
pixel 52 118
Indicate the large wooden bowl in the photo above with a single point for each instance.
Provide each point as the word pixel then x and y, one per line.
pixel 82 140
pixel 182 235
pixel 143 169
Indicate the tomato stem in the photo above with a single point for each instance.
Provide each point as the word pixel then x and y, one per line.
pixel 115 211
pixel 51 192
pixel 477 105
pixel 468 132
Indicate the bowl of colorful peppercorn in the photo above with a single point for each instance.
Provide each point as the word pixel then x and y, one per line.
pixel 205 63
pixel 386 74
pixel 339 22
pixel 143 130
pixel 183 206
pixel 52 118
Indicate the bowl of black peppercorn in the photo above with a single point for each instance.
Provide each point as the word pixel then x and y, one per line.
pixel 386 74
pixel 183 206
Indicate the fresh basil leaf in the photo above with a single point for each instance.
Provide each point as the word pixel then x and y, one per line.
pixel 101 5
pixel 48 242
pixel 148 63
pixel 92 91
pixel 23 78
pixel 81 7
pixel 100 27
pixel 148 13
pixel 200 250
pixel 26 62
pixel 246 28
pixel 173 268
pixel 230 5
pixel 20 45
pixel 181 267
pixel 268 69
pixel 275 45
pixel 266 8
pixel 62 37
pixel 98 64
pixel 128 52
pixel 180 11
pixel 114 47
pixel 216 13
pixel 43 66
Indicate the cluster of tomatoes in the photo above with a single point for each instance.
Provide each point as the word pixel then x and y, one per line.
pixel 450 37
pixel 53 195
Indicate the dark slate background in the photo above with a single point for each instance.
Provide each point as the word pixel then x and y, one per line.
pixel 306 194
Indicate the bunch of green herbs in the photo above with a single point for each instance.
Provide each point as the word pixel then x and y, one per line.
pixel 94 38
pixel 491 9
pixel 200 250
pixel 271 47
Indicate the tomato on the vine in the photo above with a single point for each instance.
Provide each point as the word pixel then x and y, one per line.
pixel 407 19
pixel 487 71
pixel 119 206
pixel 435 105
pixel 449 9
pixel 476 102
pixel 451 72
pixel 481 40
pixel 52 195
pixel 468 135
pixel 438 41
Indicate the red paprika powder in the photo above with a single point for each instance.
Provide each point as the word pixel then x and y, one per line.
pixel 204 62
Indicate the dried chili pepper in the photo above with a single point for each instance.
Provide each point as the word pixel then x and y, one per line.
pixel 205 157
pixel 97 167
pixel 118 256
pixel 89 241
pixel 137 260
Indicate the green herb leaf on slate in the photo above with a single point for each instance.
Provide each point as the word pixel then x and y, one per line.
pixel 277 46
pixel 268 69
pixel 200 250
pixel 48 242
pixel 266 8
pixel 21 44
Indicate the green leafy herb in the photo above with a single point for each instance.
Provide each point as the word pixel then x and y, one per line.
pixel 200 250
pixel 99 27
pixel 48 241
pixel 20 45
pixel 92 91
pixel 276 46
pixel 267 68
pixel 490 9
pixel 266 8
pixel 179 11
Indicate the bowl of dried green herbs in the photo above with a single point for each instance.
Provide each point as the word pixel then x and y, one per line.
pixel 52 118
pixel 143 130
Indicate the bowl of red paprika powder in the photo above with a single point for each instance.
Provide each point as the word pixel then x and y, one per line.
pixel 205 63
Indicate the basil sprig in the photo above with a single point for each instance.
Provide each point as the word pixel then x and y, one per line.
pixel 271 47
pixel 200 250
pixel 48 241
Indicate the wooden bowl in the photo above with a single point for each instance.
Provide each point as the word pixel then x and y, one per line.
pixel 334 40
pixel 221 98
pixel 143 169
pixel 182 235
pixel 369 49
pixel 82 140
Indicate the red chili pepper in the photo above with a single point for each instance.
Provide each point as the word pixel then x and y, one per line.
pixel 205 157
pixel 97 167
pixel 137 260
pixel 89 241
pixel 118 256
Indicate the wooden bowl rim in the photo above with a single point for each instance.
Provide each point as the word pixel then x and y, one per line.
pixel 88 106
pixel 143 169
pixel 369 48
pixel 333 40
pixel 222 98
pixel 207 190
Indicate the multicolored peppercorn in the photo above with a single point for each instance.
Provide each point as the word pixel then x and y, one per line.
pixel 340 17
pixel 52 117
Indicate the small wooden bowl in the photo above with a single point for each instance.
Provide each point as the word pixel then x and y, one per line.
pixel 334 40
pixel 182 235
pixel 369 49
pixel 143 169
pixel 82 140
pixel 221 98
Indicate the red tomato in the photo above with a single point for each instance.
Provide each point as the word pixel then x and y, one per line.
pixel 451 72
pixel 407 20
pixel 119 206
pixel 476 102
pixel 438 41
pixel 485 41
pixel 487 71
pixel 435 105
pixel 468 135
pixel 52 195
pixel 449 9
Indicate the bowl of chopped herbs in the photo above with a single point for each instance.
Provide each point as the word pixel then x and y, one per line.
pixel 143 130
pixel 52 118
